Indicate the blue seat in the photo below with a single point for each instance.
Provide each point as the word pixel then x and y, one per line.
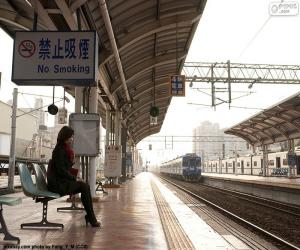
pixel 40 194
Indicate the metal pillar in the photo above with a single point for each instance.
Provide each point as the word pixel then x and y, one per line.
pixel 93 105
pixel 12 154
pixel 118 138
pixel 265 160
pixel 117 128
pixel 78 104
pixel 107 142
pixel 123 143
pixel 291 149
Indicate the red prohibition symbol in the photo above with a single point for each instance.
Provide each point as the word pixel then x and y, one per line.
pixel 26 48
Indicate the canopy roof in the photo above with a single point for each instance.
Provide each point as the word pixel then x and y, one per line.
pixel 280 122
pixel 141 43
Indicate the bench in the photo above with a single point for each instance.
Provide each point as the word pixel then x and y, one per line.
pixel 100 187
pixel 40 194
pixel 10 201
pixel 280 171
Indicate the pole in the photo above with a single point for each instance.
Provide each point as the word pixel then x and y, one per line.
pixel 12 154
pixel 93 106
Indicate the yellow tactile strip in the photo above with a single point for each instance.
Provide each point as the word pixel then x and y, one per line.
pixel 175 235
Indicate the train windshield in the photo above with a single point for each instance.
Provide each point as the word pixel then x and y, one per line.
pixel 191 162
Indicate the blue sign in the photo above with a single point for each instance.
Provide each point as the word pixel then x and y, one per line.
pixel 177 85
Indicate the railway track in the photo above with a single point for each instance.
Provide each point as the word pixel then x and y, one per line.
pixel 274 236
pixel 276 205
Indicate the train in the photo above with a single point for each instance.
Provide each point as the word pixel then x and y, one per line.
pixel 186 167
pixel 277 164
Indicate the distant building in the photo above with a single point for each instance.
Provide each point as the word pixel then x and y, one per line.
pixel 39 112
pixel 26 131
pixel 210 142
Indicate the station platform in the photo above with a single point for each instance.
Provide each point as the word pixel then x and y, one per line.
pixel 142 214
pixel 282 189
pixel 280 181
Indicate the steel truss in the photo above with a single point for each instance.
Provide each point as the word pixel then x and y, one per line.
pixel 241 73
pixel 229 73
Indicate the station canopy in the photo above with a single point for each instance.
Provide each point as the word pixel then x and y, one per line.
pixel 141 43
pixel 278 123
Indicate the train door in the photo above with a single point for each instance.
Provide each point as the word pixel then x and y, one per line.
pixel 242 166
pixel 226 164
pixel 261 166
pixel 233 167
pixel 298 165
pixel 278 163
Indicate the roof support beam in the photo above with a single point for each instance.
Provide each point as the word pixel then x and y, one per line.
pixel 62 5
pixel 113 43
pixel 43 14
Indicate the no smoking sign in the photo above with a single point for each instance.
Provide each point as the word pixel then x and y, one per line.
pixel 26 48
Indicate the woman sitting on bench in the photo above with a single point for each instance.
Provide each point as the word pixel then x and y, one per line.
pixel 61 181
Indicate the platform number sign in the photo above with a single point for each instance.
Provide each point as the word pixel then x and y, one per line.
pixel 177 85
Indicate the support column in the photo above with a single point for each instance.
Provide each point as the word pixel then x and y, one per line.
pixel 78 104
pixel 107 142
pixel 123 143
pixel 117 128
pixel 93 105
pixel 265 160
pixel 291 151
pixel 251 162
pixel 12 154
pixel 117 132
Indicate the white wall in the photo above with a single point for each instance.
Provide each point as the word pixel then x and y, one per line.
pixel 4 144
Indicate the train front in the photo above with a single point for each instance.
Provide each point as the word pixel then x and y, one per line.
pixel 191 167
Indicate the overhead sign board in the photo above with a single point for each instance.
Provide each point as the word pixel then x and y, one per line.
pixel 55 58
pixel 177 85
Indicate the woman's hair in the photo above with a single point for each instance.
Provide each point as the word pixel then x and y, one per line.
pixel 64 134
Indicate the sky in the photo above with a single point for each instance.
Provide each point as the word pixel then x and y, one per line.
pixel 242 31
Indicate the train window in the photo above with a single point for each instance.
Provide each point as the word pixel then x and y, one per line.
pixel 284 161
pixel 255 163
pixel 184 162
pixel 248 164
pixel 192 162
pixel 271 162
pixel 238 164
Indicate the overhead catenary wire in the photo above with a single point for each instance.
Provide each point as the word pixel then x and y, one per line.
pixel 240 107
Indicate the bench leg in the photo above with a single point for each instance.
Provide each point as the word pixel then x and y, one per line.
pixel 44 222
pixel 4 230
pixel 100 188
pixel 73 207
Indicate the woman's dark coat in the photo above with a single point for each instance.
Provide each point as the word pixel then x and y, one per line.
pixel 58 176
